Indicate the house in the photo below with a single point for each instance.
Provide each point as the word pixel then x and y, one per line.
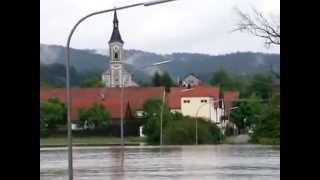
pixel 199 101
pixel 191 80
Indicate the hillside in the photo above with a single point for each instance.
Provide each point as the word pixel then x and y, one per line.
pixel 203 65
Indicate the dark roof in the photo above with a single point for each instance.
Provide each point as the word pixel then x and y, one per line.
pixel 115 37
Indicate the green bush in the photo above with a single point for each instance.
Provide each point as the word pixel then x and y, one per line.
pixel 96 116
pixel 183 131
pixel 177 129
pixel 52 114
pixel 180 132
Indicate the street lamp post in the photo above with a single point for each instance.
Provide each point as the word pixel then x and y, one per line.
pixel 214 101
pixel 197 121
pixel 161 115
pixel 68 94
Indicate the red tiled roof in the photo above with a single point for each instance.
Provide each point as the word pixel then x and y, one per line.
pixel 84 97
pixel 174 97
pixel 134 96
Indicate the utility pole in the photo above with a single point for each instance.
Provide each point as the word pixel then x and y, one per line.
pixel 121 107
pixel 161 115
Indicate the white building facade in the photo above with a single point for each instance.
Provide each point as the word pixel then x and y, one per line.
pixel 204 107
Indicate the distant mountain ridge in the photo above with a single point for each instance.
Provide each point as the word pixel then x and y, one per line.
pixel 182 64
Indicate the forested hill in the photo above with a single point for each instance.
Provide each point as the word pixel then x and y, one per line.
pixel 203 65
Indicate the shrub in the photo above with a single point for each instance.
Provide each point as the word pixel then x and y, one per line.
pixel 96 116
pixel 183 131
pixel 179 132
pixel 52 114
pixel 177 129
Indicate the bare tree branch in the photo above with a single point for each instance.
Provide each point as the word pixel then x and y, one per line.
pixel 259 26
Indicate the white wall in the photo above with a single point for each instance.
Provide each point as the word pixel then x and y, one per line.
pixel 192 106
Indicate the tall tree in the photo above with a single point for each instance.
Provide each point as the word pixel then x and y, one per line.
pixel 152 108
pixel 268 125
pixel 261 85
pixel 163 79
pixel 156 79
pixel 247 112
pixel 227 81
pixel 166 80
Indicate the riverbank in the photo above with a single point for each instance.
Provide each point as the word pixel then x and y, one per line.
pixel 89 141
pixel 114 141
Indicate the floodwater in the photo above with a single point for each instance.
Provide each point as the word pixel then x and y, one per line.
pixel 241 162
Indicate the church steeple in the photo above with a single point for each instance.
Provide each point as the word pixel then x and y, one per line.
pixel 115 37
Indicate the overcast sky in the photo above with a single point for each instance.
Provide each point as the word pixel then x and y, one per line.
pixel 198 26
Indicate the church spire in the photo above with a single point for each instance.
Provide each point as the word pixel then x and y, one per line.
pixel 115 37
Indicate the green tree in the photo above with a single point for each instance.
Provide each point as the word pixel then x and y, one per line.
pixel 261 85
pixel 162 80
pixel 246 113
pixel 268 126
pixel 152 108
pixel 181 130
pixel 222 79
pixel 95 115
pixel 156 80
pixel 166 80
pixel 52 114
pixel 228 81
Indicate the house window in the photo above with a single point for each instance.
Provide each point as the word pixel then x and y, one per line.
pixel 186 101
pixel 204 100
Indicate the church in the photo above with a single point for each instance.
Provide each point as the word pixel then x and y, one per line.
pixel 116 75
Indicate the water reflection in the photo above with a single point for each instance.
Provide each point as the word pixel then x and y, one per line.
pixel 168 162
pixel 117 167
